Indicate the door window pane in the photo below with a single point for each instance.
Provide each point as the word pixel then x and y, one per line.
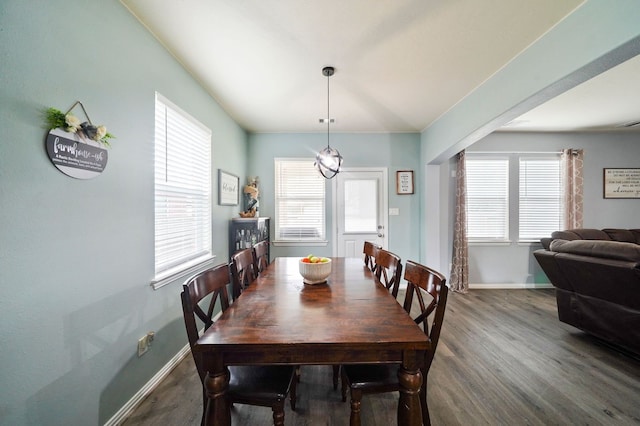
pixel 360 205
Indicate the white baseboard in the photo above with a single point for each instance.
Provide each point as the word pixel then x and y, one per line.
pixel 508 286
pixel 139 396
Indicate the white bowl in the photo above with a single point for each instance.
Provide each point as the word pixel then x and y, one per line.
pixel 315 273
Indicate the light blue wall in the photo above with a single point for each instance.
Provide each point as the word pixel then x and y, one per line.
pixel 76 256
pixel 398 151
pixel 515 263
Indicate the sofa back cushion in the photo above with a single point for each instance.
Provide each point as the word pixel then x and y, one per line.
pixel 581 234
pixel 616 250
pixel 626 235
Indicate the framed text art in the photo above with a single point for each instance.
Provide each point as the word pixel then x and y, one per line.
pixel 228 189
pixel 404 182
pixel 621 183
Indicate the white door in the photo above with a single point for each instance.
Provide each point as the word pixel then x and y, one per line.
pixel 360 209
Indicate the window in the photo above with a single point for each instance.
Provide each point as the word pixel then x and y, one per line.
pixel 540 206
pixel 300 201
pixel 487 198
pixel 538 202
pixel 182 191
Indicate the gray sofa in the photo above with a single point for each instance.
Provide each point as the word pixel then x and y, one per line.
pixel 596 274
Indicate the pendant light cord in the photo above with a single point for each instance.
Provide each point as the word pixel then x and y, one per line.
pixel 328 114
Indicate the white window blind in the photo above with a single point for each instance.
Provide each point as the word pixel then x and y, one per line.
pixel 182 189
pixel 540 199
pixel 487 199
pixel 300 201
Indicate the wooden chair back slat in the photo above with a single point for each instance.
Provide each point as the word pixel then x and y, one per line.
pixel 214 283
pixel 388 270
pixel 370 249
pixel 243 271
pixel 429 288
pixel 261 256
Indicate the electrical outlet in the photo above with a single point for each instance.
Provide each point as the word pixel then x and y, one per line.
pixel 143 345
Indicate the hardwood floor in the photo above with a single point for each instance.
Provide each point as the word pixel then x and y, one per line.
pixel 503 359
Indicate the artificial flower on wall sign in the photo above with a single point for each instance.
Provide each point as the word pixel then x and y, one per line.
pixel 68 122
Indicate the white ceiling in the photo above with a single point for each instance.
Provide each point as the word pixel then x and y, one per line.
pixel 607 101
pixel 399 64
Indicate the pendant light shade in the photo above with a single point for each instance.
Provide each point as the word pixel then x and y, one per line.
pixel 328 160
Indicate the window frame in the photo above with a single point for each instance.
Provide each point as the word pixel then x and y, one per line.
pixel 321 239
pixel 514 223
pixel 190 194
pixel 497 240
pixel 560 196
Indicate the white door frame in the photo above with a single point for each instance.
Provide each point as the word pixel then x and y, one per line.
pixel 385 203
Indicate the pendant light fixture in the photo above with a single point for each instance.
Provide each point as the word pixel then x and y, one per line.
pixel 329 160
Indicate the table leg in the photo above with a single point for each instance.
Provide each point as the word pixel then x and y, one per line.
pixel 409 409
pixel 218 410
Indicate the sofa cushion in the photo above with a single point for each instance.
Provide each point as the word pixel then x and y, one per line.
pixel 625 235
pixel 564 235
pixel 581 234
pixel 605 249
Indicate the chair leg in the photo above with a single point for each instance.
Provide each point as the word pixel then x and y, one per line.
pixel 356 398
pixel 204 406
pixel 345 385
pixel 278 413
pixel 292 393
pixel 336 373
pixel 426 421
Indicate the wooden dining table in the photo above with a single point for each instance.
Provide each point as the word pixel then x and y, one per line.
pixel 350 319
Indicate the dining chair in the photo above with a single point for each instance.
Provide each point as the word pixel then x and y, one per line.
pixel 369 251
pixel 428 288
pixel 266 386
pixel 261 256
pixel 388 270
pixel 243 271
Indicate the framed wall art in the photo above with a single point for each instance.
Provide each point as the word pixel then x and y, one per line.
pixel 621 183
pixel 228 189
pixel 404 182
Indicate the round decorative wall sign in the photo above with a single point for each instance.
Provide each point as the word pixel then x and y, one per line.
pixel 81 160
pixel 75 146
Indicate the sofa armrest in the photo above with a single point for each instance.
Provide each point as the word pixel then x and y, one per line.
pixel 546 242
pixel 546 260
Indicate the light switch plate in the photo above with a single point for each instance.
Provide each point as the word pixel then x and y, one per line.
pixel 394 211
